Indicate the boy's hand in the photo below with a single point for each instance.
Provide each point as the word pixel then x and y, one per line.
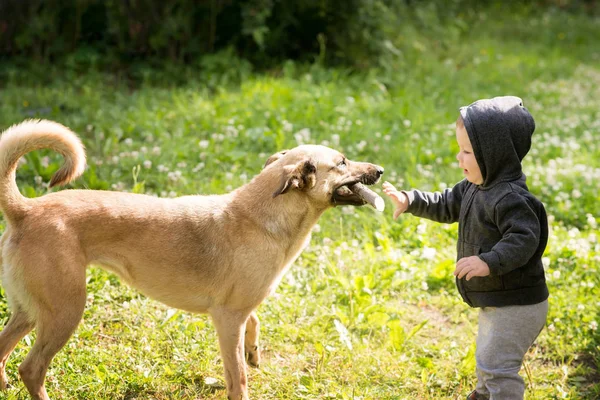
pixel 470 267
pixel 399 199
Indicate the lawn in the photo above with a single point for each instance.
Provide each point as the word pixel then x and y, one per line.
pixel 369 310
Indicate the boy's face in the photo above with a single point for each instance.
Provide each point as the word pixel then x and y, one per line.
pixel 466 157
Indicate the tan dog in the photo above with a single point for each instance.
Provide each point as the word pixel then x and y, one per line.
pixel 220 254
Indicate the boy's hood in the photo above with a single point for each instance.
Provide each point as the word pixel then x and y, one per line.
pixel 500 131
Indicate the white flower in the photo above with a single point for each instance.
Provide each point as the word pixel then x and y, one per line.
pixel 147 164
pixel 428 253
pixel 556 274
pixel 203 144
pixel 174 176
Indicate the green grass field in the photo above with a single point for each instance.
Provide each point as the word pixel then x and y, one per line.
pixel 369 311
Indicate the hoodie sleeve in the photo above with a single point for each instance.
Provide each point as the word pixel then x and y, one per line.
pixel 520 228
pixel 439 206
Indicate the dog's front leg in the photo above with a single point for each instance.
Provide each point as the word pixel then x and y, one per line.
pixel 230 327
pixel 251 342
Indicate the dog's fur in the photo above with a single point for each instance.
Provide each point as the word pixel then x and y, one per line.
pixel 219 254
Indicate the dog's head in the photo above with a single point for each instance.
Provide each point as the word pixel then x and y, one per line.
pixel 323 174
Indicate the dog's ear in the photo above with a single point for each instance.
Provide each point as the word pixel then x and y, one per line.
pixel 299 176
pixel 275 157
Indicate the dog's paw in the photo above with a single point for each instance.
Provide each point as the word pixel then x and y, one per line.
pixel 253 357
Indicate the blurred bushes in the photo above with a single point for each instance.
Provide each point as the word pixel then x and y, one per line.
pixel 111 34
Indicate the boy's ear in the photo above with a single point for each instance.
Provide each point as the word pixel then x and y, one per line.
pixel 301 176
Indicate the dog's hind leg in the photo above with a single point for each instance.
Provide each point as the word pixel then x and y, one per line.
pixel 53 331
pixel 251 341
pixel 17 327
pixel 19 324
pixel 230 327
pixel 59 300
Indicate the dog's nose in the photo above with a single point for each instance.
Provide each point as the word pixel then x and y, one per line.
pixel 379 171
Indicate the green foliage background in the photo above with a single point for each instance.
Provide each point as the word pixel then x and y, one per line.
pixel 369 311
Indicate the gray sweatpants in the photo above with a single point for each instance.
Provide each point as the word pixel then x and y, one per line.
pixel 505 334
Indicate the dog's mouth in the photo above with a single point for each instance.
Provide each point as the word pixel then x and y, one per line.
pixel 356 193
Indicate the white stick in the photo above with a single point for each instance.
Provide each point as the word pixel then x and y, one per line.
pixel 369 196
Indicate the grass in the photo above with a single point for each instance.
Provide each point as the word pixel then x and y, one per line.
pixel 369 311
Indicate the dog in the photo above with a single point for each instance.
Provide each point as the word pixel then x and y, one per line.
pixel 215 254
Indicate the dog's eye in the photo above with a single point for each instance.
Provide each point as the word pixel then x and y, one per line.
pixel 342 164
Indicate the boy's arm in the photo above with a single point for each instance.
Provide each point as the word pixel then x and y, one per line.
pixel 520 228
pixel 439 206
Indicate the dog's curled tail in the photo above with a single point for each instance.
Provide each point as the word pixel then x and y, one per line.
pixel 31 135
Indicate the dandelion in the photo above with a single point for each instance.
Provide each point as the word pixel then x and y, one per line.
pixel 156 150
pixel 546 262
pixel 556 275
pixel 287 127
pixel 162 168
pixel 302 136
pixel 174 176
pixel 428 253
pixel 128 141
pixel 593 325
pixel 203 144
pixel 591 221
pixel 198 167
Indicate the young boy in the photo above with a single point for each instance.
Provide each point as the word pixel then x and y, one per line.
pixel 502 234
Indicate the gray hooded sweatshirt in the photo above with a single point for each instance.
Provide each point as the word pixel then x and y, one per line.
pixel 500 220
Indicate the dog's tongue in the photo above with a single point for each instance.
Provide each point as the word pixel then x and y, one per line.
pixel 368 195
